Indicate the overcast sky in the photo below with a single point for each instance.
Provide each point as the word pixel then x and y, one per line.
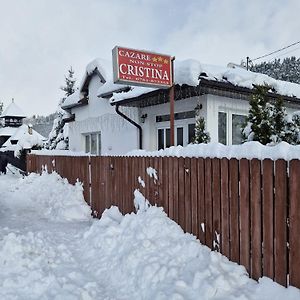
pixel 41 39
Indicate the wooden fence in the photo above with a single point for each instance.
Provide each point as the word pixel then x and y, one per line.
pixel 249 210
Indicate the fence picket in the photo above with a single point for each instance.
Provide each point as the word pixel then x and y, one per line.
pixel 245 214
pixel 208 203
pixel 216 204
pixel 234 210
pixel 225 236
pixel 268 218
pixel 281 222
pixel 181 215
pixel 255 196
pixel 194 204
pixel 294 241
pixel 176 187
pixel 201 199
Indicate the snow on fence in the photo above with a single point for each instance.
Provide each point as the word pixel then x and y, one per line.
pixel 249 210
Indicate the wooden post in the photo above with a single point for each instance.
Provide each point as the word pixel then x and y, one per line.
pixel 172 121
pixel 172 107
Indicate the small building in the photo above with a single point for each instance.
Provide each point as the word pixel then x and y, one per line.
pixel 14 130
pixel 12 118
pixel 112 119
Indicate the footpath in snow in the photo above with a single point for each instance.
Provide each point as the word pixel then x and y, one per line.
pixel 50 248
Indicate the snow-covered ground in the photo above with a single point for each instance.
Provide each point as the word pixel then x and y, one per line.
pixel 50 248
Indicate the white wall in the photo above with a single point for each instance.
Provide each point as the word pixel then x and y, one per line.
pixel 118 136
pixel 216 104
pixel 150 126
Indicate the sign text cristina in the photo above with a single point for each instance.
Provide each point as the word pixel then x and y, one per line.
pixel 136 67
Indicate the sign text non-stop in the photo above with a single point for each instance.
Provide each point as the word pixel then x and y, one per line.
pixel 136 67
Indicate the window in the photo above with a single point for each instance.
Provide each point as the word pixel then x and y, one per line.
pixel 177 116
pixel 222 128
pixel 164 137
pixel 161 139
pixel 179 136
pixel 87 144
pixel 93 143
pixel 168 138
pixel 191 129
pixel 237 123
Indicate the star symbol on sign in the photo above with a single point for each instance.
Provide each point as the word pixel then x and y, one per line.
pixel 154 59
pixel 166 61
pixel 160 59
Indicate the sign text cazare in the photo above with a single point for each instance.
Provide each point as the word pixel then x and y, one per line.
pixel 135 67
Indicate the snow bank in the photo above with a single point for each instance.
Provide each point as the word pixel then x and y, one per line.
pixel 26 266
pixel 50 197
pixel 57 152
pixel 148 256
pixel 247 150
pixel 138 256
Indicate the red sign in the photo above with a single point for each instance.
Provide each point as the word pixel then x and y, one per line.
pixel 135 67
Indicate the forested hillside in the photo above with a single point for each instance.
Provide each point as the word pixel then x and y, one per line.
pixel 287 69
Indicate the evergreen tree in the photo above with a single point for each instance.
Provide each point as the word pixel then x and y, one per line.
pixel 69 87
pixel 259 122
pixel 58 137
pixel 201 135
pixel 292 134
pixel 278 114
pixel 267 122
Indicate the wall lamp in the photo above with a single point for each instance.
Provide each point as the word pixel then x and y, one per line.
pixel 143 117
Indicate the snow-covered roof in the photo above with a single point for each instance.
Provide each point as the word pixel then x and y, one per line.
pixel 7 131
pixel 24 139
pixel 72 99
pixel 189 71
pixel 13 110
pixel 103 68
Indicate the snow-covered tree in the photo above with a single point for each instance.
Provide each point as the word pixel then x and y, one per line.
pixel 201 135
pixel 279 121
pixel 59 135
pixel 259 121
pixel 292 134
pixel 268 123
pixel 69 87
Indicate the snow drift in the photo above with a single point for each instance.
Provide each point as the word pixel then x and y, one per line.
pixel 62 253
pixel 50 197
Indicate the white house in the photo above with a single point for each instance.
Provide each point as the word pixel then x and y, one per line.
pixel 113 119
pixel 95 127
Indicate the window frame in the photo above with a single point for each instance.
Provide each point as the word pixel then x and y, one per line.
pixel 180 124
pixel 98 142
pixel 229 114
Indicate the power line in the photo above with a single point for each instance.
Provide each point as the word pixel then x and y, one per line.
pixel 276 51
pixel 285 53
